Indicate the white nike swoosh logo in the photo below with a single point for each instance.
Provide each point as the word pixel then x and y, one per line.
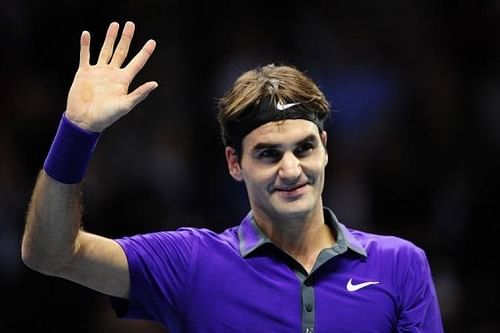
pixel 280 106
pixel 354 287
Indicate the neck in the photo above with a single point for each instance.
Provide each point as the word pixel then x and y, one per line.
pixel 302 238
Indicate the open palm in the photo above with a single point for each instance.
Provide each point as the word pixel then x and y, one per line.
pixel 99 94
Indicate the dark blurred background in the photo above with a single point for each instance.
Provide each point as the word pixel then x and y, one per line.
pixel 413 141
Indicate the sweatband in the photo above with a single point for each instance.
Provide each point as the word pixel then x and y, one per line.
pixel 70 152
pixel 263 112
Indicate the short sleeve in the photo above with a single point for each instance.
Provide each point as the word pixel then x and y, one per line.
pixel 159 267
pixel 419 310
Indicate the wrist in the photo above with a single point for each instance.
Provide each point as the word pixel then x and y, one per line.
pixel 79 121
pixel 70 152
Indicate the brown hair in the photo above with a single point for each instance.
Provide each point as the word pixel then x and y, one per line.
pixel 283 84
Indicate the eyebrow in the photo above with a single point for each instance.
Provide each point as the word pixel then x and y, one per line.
pixel 263 145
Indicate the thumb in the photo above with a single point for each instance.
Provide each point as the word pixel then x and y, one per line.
pixel 140 93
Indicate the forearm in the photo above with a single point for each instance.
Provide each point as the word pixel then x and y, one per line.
pixel 52 225
pixel 53 242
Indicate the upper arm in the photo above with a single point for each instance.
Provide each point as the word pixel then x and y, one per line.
pixel 99 263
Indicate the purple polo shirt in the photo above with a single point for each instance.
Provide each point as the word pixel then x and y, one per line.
pixel 196 280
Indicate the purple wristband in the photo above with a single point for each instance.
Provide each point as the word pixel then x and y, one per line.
pixel 70 152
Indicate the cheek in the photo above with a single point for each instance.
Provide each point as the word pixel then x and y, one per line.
pixel 316 170
pixel 316 163
pixel 256 178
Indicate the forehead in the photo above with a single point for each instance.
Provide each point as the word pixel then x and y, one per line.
pixel 281 132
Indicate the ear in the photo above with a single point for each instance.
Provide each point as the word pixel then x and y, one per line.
pixel 233 164
pixel 323 141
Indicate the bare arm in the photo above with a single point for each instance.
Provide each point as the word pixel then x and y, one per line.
pixel 53 241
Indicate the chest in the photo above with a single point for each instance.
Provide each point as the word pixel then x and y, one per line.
pixel 265 294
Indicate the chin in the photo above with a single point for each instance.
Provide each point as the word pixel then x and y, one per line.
pixel 295 209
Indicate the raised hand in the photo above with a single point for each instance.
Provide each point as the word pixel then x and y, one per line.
pixel 99 94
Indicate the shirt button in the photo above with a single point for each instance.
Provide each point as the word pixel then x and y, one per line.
pixel 309 307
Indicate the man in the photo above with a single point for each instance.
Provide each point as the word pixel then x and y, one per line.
pixel 290 266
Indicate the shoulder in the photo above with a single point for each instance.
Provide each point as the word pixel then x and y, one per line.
pixel 185 236
pixel 388 246
pixel 398 259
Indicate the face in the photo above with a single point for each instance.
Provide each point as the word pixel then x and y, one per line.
pixel 283 167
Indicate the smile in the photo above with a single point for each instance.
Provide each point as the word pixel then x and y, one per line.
pixel 292 191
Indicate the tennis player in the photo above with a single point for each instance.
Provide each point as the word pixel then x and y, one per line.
pixel 288 266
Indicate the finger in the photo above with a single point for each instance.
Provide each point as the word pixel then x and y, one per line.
pixel 107 46
pixel 85 49
pixel 140 93
pixel 140 59
pixel 123 45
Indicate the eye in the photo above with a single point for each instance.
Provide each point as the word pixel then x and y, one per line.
pixel 270 154
pixel 304 148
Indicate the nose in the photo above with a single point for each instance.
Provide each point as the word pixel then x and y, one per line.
pixel 289 169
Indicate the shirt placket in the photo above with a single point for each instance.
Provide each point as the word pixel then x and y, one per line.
pixel 307 301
